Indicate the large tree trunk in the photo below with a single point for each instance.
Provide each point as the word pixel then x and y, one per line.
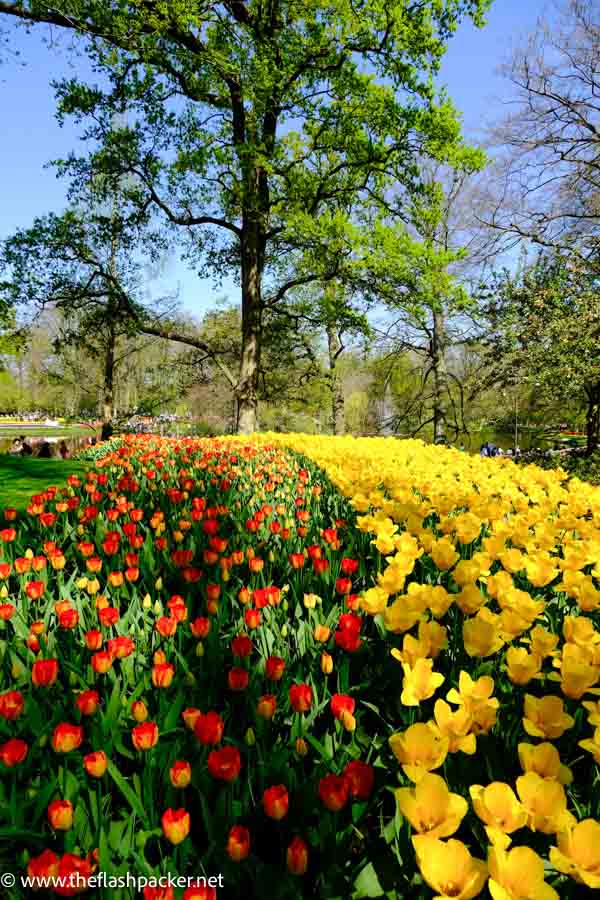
pixel 252 263
pixel 592 417
pixel 338 424
pixel 108 387
pixel 440 378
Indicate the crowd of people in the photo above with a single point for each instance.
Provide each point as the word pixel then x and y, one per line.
pixel 489 449
pixel 21 446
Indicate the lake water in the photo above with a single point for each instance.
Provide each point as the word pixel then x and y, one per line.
pixel 75 443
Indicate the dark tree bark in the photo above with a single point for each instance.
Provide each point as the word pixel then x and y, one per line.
pixel 439 378
pixel 338 424
pixel 592 418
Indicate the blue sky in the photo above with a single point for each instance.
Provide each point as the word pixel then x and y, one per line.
pixel 31 136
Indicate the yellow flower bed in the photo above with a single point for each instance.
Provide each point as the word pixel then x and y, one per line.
pixel 511 554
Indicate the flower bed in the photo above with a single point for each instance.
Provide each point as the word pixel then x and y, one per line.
pixel 302 667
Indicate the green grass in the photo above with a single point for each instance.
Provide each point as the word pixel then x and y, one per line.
pixel 11 431
pixel 22 476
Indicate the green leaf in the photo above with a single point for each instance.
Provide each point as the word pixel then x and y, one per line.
pixel 129 794
pixel 367 884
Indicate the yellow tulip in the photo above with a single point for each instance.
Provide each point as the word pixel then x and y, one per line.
pixel 578 673
pixel 476 697
pixel 593 711
pixel 419 749
pixel 498 808
pixel 456 726
pixel 541 642
pixel 438 600
pixel 466 572
pixel 412 650
pixel 580 630
pixel 545 717
pixel 545 761
pixel 481 636
pixel 449 869
pixel 420 682
pixel 522 666
pixel 592 745
pixel 517 874
pixel 402 615
pixel 374 601
pixel 578 853
pixel 430 807
pixel 435 636
pixel 545 802
pixel 444 554
pixel 470 600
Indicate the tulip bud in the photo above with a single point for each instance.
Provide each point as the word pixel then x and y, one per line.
pixel 326 664
pixel 250 738
pixel 157 608
pixel 43 740
pixel 17 670
pixel 271 556
pixel 158 584
pixel 81 583
pixel 199 649
pixel 284 630
pixel 4 592
pixel 139 711
pixel 147 601
pixel 29 553
pixel 301 747
pixel 60 815
pixel 225 576
pixel 73 679
pixel 285 606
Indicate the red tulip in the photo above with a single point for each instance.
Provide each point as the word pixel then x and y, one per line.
pixel 96 763
pixel 274 668
pixel 297 856
pixel 333 792
pixel 13 752
pixel 66 737
pixel 60 815
pixel 87 702
pixel 361 778
pixel 44 672
pixel 276 802
pixel 209 728
pixel 11 705
pixel 301 697
pixel 145 735
pixel 225 764
pixel 176 825
pixel 180 774
pixel 238 843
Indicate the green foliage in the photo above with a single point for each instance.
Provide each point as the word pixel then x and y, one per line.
pixel 545 331
pixel 21 477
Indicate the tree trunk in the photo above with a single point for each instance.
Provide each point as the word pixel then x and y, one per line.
pixel 338 425
pixel 246 391
pixel 108 387
pixel 592 418
pixel 440 378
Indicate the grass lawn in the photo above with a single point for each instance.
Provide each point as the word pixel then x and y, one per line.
pixel 22 476
pixel 10 430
